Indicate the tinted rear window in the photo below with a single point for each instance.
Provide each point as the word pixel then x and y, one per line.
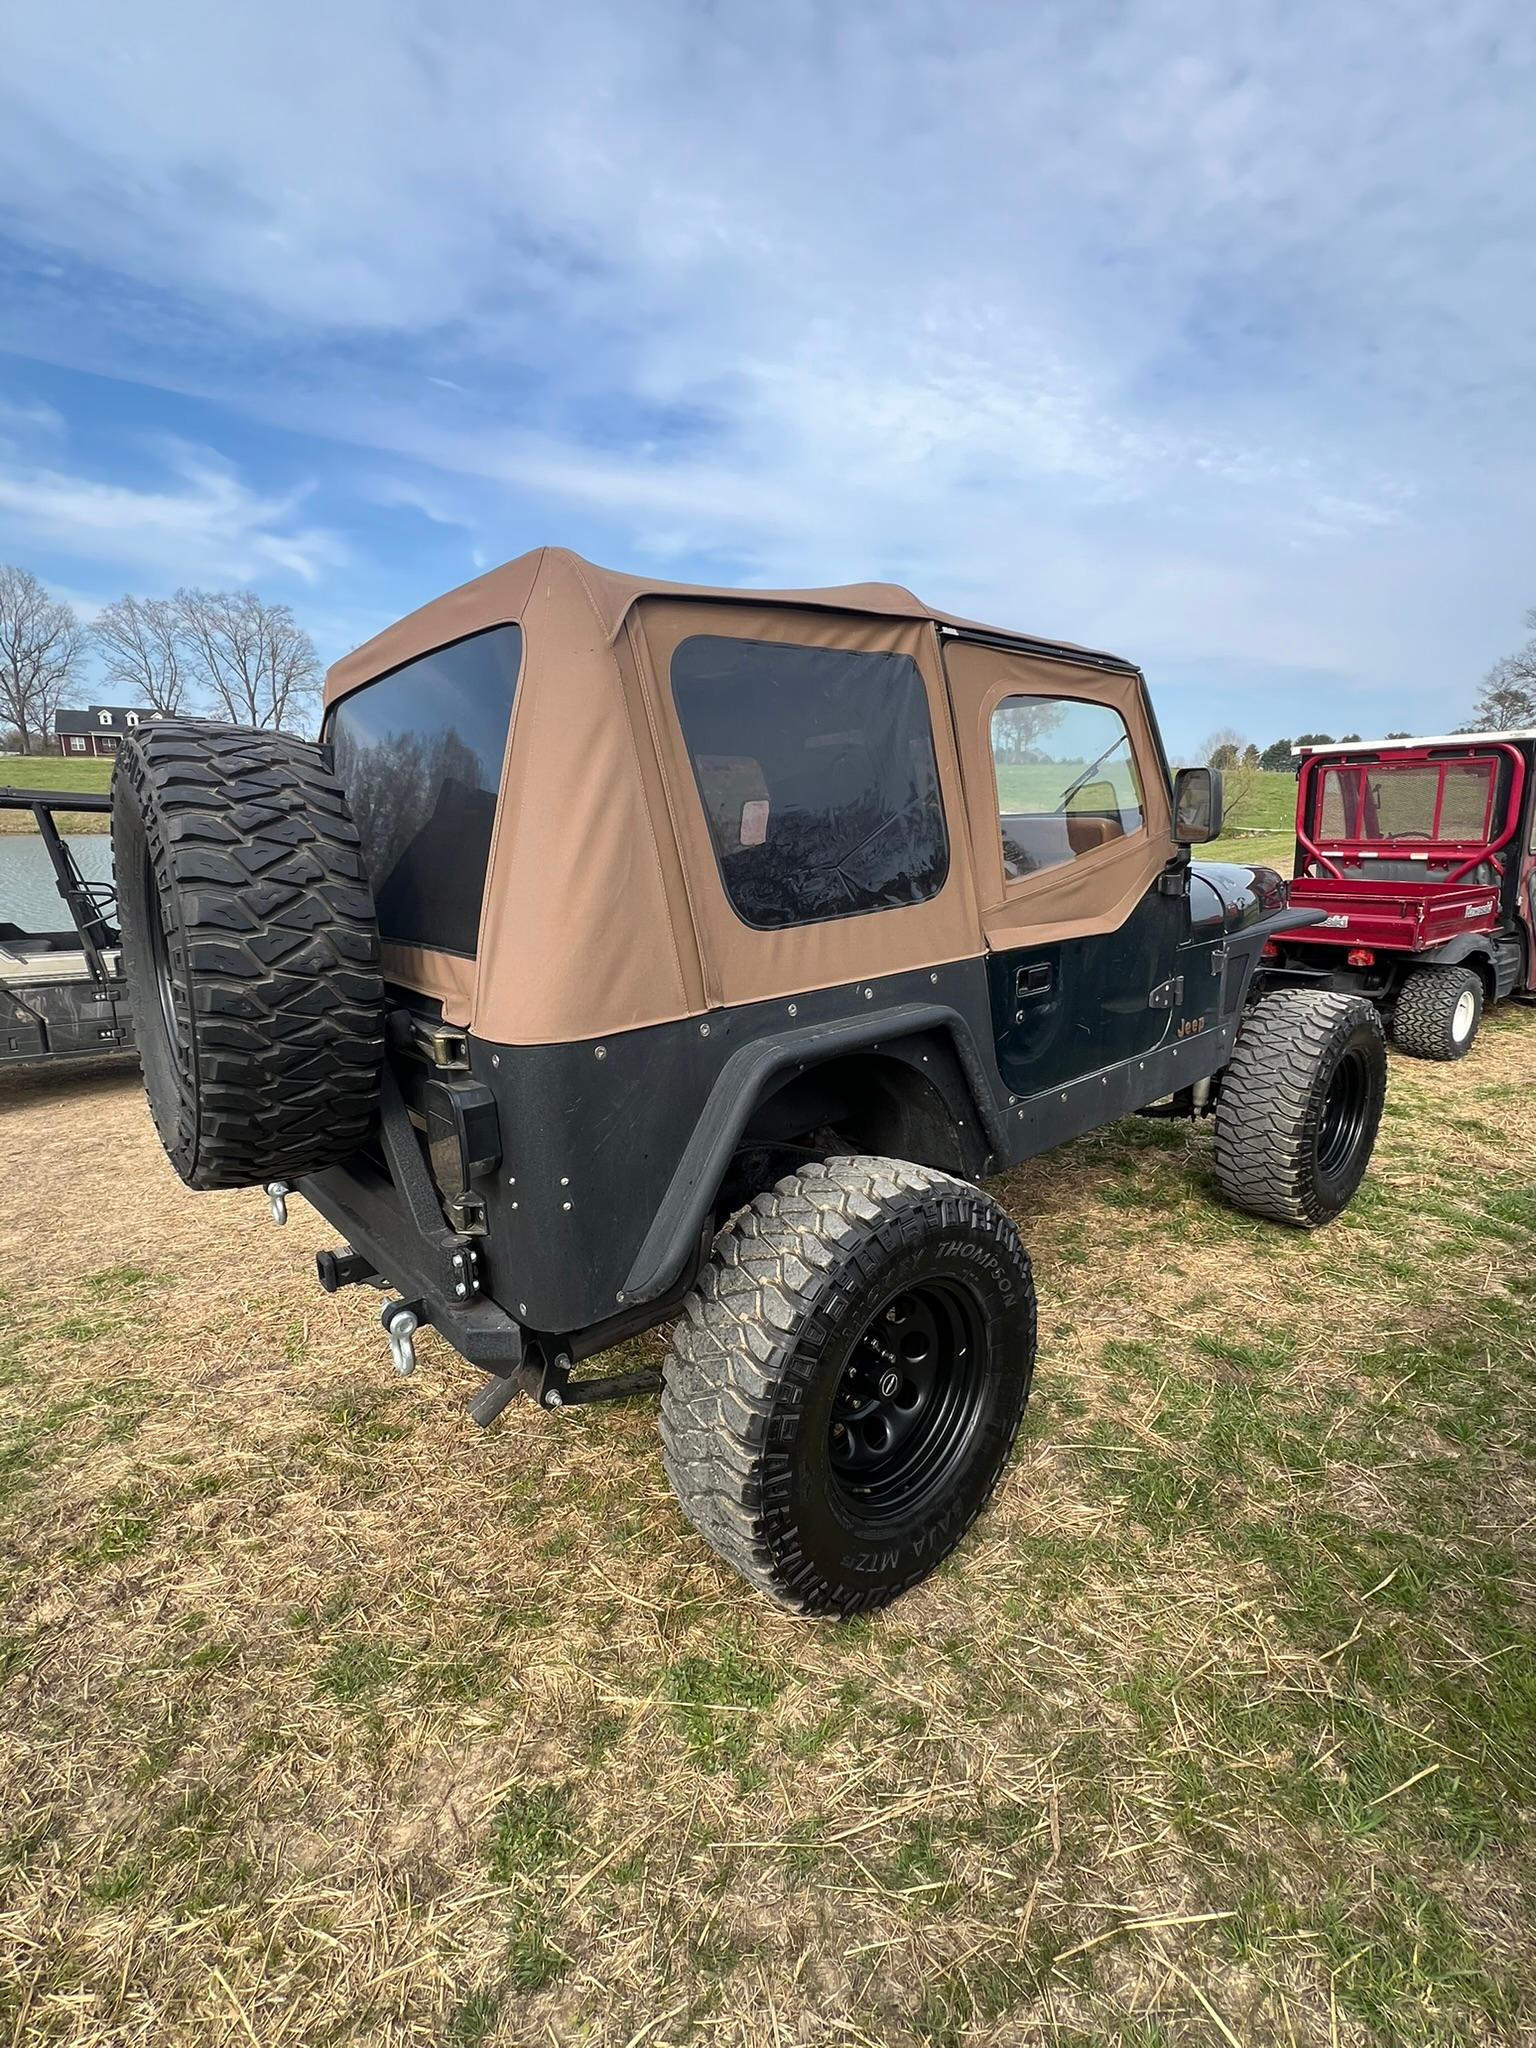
pixel 818 778
pixel 419 754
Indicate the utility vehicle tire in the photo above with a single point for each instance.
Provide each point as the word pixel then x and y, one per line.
pixel 1300 1105
pixel 1439 1013
pixel 251 951
pixel 846 1382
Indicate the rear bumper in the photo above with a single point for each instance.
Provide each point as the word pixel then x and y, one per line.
pixel 363 1203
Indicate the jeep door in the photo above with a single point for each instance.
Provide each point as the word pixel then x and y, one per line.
pixel 1071 840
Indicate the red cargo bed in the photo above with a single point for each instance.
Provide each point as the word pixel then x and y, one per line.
pixel 1396 916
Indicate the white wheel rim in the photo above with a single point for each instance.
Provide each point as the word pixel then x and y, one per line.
pixel 1463 1016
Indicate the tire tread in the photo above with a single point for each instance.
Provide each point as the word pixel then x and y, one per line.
pixel 1426 1004
pixel 1269 1096
pixel 272 932
pixel 735 1357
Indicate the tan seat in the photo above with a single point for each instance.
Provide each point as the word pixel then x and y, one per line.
pixel 1084 834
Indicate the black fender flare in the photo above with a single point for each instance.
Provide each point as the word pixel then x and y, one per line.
pixel 1457 952
pixel 742 1083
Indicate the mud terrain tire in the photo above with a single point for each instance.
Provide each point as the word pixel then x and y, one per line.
pixel 847 1380
pixel 1300 1105
pixel 1439 1013
pixel 250 949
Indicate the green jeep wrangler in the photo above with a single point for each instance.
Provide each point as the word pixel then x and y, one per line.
pixel 627 954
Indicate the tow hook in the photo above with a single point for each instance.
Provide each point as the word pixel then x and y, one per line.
pixel 401 1320
pixel 277 1193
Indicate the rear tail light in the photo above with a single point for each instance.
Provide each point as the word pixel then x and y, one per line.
pixel 1271 951
pixel 1360 956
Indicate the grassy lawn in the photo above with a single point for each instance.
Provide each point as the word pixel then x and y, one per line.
pixel 1264 849
pixel 54 771
pixel 1261 823
pixel 1261 818
pixel 327 1718
pixel 1267 805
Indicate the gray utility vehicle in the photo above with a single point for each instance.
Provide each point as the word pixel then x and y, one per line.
pixel 62 993
pixel 628 953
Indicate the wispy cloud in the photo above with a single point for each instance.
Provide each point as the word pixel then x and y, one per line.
pixel 204 522
pixel 24 421
pixel 1198 328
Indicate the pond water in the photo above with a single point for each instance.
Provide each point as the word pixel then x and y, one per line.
pixel 29 896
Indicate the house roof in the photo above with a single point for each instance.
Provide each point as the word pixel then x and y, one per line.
pixel 120 717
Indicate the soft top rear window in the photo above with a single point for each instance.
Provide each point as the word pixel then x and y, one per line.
pixel 419 753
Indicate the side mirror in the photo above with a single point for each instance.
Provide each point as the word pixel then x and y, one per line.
pixel 1197 805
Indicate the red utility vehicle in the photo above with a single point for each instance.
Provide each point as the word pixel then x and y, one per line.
pixel 1422 855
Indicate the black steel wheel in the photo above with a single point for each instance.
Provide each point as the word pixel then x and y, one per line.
pixel 907 1398
pixel 1347 1121
pixel 846 1382
pixel 1300 1105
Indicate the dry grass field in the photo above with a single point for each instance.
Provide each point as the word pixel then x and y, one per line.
pixel 328 1719
pixel 55 771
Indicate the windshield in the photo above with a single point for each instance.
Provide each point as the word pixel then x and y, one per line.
pixel 1423 802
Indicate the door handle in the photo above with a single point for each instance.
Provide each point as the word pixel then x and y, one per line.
pixel 1034 983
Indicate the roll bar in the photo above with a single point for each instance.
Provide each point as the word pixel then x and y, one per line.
pixel 1482 750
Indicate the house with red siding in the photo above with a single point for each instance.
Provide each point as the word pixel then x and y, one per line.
pixel 98 730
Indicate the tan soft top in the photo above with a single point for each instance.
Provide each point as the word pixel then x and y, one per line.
pixel 604 909
pixel 498 597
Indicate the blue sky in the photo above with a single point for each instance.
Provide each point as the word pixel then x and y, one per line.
pixel 1196 331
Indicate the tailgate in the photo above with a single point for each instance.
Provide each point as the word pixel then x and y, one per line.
pixel 1397 916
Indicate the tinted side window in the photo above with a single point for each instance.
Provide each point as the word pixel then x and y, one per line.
pixel 1066 781
pixel 817 774
pixel 419 754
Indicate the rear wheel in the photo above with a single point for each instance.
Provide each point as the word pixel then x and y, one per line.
pixel 1300 1105
pixel 1439 1013
pixel 250 950
pixel 847 1380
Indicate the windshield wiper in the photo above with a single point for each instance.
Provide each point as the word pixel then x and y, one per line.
pixel 1067 794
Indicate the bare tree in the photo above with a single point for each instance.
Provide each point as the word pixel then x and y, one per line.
pixel 1223 749
pixel 142 647
pixel 40 648
pixel 1019 724
pixel 1508 702
pixel 1241 775
pixel 255 659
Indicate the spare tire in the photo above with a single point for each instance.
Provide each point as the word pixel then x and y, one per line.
pixel 251 951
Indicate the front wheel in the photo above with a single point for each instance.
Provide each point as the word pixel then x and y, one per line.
pixel 1300 1105
pixel 846 1382
pixel 1439 1011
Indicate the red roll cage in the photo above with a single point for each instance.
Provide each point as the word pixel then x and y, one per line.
pixel 1463 852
